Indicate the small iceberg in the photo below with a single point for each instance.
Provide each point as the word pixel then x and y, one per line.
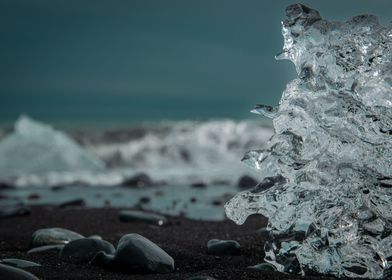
pixel 37 148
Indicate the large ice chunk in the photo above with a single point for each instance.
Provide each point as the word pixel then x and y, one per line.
pixel 328 167
pixel 36 148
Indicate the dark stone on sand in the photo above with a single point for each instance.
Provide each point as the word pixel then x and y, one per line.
pixel 6 186
pixel 12 273
pixel 46 248
pixel 138 181
pixel 52 236
pixel 263 231
pixel 78 202
pixel 217 202
pixel 193 199
pixel 14 211
pixel 262 267
pixel 144 199
pixel 201 278
pixel 34 196
pixel 199 185
pixel 19 263
pixel 57 188
pixel 82 251
pixel 223 247
pixel 103 260
pixel 246 182
pixel 139 216
pixel 136 253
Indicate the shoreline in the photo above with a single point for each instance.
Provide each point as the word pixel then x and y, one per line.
pixel 182 238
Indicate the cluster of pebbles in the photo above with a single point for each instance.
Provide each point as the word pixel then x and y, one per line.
pixel 134 254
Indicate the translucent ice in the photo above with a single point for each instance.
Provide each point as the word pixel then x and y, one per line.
pixel 327 191
pixel 36 148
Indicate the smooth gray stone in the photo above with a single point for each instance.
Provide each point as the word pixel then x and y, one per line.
pixel 14 211
pixel 140 216
pixel 51 236
pixel 95 236
pixel 262 267
pixel 46 248
pixel 78 202
pixel 223 247
pixel 103 260
pixel 19 263
pixel 84 250
pixel 13 273
pixel 136 253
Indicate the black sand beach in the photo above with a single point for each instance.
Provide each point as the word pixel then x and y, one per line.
pixel 184 239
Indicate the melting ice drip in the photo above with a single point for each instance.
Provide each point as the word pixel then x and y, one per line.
pixel 327 190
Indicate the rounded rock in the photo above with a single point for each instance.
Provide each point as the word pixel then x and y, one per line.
pixel 52 236
pixel 19 263
pixel 12 273
pixel 223 247
pixel 84 250
pixel 136 253
pixel 262 267
pixel 103 260
pixel 143 217
pixel 46 248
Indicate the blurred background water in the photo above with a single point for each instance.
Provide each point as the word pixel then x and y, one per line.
pixel 121 61
pixel 144 87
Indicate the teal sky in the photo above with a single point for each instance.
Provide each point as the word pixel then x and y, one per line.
pixel 148 60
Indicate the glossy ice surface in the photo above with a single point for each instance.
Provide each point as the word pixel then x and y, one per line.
pixel 327 190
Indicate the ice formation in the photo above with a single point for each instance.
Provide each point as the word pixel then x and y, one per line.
pixel 327 191
pixel 36 148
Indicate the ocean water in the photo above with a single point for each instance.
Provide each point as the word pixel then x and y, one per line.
pixel 171 152
pixel 60 162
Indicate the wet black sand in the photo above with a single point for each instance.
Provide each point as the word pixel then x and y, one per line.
pixel 185 240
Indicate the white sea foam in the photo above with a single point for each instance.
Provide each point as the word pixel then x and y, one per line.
pixel 175 152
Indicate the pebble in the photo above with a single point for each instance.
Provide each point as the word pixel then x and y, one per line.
pixel 138 181
pixel 82 251
pixel 14 211
pixel 217 202
pixel 6 186
pixel 103 260
pixel 51 236
pixel 199 185
pixel 13 273
pixel 136 253
pixel 19 263
pixel 223 247
pixel 262 267
pixel 78 202
pixel 46 248
pixel 140 216
pixel 144 199
pixel 246 182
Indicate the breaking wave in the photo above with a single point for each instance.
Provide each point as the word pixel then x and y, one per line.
pixel 180 152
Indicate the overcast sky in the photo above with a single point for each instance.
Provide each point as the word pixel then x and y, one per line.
pixel 92 60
